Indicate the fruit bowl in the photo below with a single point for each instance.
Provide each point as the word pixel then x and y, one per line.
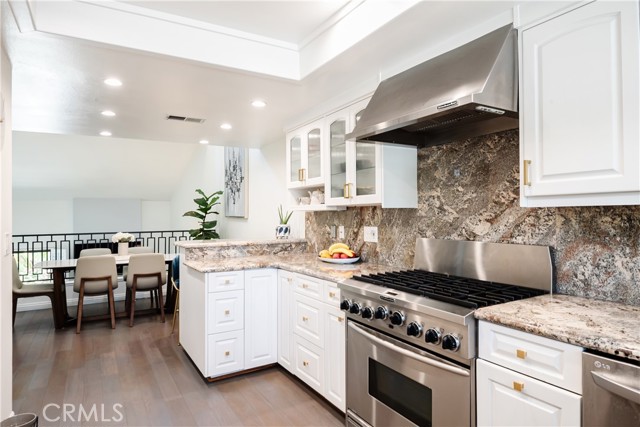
pixel 340 260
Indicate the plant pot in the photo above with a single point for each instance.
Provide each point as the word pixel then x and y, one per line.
pixel 123 248
pixel 282 231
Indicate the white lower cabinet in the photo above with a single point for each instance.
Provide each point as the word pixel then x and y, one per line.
pixel 228 320
pixel 261 317
pixel 285 325
pixel 524 379
pixel 316 334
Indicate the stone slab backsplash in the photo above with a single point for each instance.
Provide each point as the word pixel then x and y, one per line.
pixel 470 190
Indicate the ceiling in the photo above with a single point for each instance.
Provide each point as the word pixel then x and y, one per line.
pixel 209 60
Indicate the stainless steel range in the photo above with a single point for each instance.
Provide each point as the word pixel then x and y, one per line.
pixel 411 335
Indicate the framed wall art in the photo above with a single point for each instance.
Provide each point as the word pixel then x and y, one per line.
pixel 235 182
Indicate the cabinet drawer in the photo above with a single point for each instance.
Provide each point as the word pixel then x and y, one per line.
pixel 225 311
pixel 506 397
pixel 225 353
pixel 309 363
pixel 307 319
pixel 543 358
pixel 226 281
pixel 331 294
pixel 309 286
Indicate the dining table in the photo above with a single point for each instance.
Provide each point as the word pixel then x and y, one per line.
pixel 60 267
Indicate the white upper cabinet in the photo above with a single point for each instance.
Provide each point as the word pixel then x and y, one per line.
pixel 579 103
pixel 363 173
pixel 305 156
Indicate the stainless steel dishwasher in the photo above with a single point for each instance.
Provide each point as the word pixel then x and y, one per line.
pixel 610 392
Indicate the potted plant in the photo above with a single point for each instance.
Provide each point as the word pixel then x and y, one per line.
pixel 206 230
pixel 283 229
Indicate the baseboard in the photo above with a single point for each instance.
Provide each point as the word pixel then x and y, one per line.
pixel 42 303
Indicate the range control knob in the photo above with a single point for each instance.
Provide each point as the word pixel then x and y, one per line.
pixel 355 308
pixel 414 329
pixel 397 318
pixel 381 313
pixel 367 313
pixel 432 336
pixel 345 305
pixel 451 342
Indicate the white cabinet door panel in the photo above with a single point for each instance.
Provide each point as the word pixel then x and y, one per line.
pixel 225 353
pixel 335 357
pixel 225 311
pixel 261 317
pixel 285 325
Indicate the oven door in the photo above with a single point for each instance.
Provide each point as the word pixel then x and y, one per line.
pixel 390 383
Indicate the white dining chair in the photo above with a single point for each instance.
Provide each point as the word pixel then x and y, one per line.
pixel 134 250
pixel 21 291
pixel 95 275
pixel 146 272
pixel 94 252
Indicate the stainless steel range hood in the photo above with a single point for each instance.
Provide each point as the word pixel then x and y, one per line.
pixel 466 92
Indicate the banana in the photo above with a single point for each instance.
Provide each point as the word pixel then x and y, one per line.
pixel 335 246
pixel 347 252
pixel 324 254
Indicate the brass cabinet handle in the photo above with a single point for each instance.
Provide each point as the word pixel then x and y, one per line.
pixel 521 354
pixel 301 174
pixel 226 353
pixel 305 363
pixel 518 386
pixel 227 281
pixel 340 319
pixel 305 286
pixel 332 294
pixel 347 191
pixel 526 179
pixel 305 318
pixel 226 312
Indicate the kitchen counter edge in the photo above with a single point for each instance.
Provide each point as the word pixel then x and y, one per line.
pixel 604 326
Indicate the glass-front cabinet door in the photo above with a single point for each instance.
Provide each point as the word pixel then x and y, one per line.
pixel 305 149
pixel 337 157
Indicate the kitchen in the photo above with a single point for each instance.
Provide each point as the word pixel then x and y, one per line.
pixel 470 191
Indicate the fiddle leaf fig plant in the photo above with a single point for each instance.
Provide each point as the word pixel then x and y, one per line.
pixel 205 204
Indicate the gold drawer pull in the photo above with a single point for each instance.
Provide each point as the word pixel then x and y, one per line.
pixel 332 294
pixel 518 386
pixel 305 318
pixel 526 179
pixel 521 354
pixel 226 312
pixel 301 174
pixel 227 281
pixel 340 319
pixel 227 353
pixel 305 286
pixel 347 191
pixel 305 363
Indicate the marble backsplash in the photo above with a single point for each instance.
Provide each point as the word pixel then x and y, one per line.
pixel 470 190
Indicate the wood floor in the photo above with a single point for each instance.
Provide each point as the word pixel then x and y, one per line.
pixel 140 377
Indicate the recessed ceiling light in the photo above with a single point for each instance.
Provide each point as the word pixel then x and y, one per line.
pixel 204 141
pixel 258 103
pixel 112 81
pixel 108 113
pixel 225 126
pixel 105 133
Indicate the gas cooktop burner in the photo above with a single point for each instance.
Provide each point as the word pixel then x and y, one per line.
pixel 465 292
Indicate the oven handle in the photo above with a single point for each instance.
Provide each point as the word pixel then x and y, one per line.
pixel 621 390
pixel 406 352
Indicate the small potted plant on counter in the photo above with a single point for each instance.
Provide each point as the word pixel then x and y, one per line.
pixel 205 206
pixel 283 229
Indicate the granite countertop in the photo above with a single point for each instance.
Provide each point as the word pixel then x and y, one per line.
pixel 217 243
pixel 299 263
pixel 604 326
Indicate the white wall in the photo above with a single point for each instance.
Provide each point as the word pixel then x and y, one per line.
pixel 6 342
pixel 267 189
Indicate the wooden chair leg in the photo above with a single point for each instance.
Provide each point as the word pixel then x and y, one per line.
pixel 80 304
pixel 15 308
pixel 175 311
pixel 159 295
pixel 132 303
pixel 152 296
pixel 112 309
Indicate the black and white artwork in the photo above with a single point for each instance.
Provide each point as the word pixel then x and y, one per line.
pixel 235 182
